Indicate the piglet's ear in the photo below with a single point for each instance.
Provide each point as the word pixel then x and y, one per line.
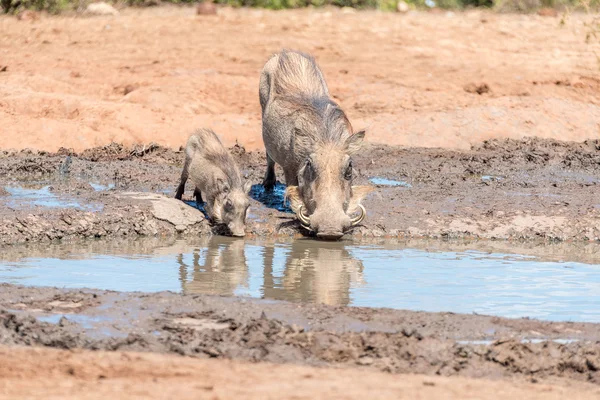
pixel 222 186
pixel 354 142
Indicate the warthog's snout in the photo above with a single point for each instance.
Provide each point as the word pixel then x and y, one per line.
pixel 330 235
pixel 237 230
pixel 328 225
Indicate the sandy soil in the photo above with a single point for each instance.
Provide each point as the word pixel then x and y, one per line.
pixel 52 374
pixel 157 74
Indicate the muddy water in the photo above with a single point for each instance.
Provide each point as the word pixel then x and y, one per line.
pixel 550 282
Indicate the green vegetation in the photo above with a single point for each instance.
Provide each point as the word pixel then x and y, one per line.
pixel 55 6
pixel 51 6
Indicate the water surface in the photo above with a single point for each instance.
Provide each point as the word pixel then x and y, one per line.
pixel 551 282
pixel 20 196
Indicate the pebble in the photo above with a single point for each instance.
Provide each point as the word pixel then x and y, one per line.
pixel 101 8
pixel 402 7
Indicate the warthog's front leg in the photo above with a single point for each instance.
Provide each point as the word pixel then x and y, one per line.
pixel 181 187
pixel 184 177
pixel 198 196
pixel 270 178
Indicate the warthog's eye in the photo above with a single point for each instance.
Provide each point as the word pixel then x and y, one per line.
pixel 228 206
pixel 348 173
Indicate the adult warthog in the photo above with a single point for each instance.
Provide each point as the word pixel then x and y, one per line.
pixel 310 137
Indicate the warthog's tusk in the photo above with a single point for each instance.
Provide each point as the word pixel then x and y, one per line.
pixel 305 220
pixel 363 214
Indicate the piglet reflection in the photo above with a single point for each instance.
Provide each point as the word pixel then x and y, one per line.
pixel 317 272
pixel 219 266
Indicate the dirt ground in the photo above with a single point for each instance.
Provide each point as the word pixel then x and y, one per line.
pixel 414 79
pixel 55 374
pixel 489 121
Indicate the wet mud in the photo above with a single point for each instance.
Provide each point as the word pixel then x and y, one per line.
pixel 443 344
pixel 529 189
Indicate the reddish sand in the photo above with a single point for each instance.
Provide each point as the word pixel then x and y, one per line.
pixel 29 373
pixel 157 74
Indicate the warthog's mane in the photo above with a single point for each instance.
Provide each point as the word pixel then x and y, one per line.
pixel 318 120
pixel 300 88
pixel 298 73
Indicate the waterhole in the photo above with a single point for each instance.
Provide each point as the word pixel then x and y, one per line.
pixel 559 282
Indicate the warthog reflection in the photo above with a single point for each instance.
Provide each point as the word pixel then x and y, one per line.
pixel 316 272
pixel 223 269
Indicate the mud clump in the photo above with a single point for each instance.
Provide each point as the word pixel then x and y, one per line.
pixel 125 89
pixel 585 155
pixel 110 152
pixel 28 331
pixel 119 152
pixel 478 88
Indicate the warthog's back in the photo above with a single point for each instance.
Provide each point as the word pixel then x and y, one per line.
pixel 292 74
pixel 205 147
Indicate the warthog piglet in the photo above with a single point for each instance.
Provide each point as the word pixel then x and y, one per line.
pixel 217 180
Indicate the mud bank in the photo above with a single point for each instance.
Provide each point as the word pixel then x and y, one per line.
pixel 530 189
pixel 232 328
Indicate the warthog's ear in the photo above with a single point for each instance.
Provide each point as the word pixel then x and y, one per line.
pixel 292 193
pixel 354 142
pixel 358 194
pixel 247 187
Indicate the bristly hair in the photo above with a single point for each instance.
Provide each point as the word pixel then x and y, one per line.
pixel 321 119
pixel 217 154
pixel 300 83
pixel 299 74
